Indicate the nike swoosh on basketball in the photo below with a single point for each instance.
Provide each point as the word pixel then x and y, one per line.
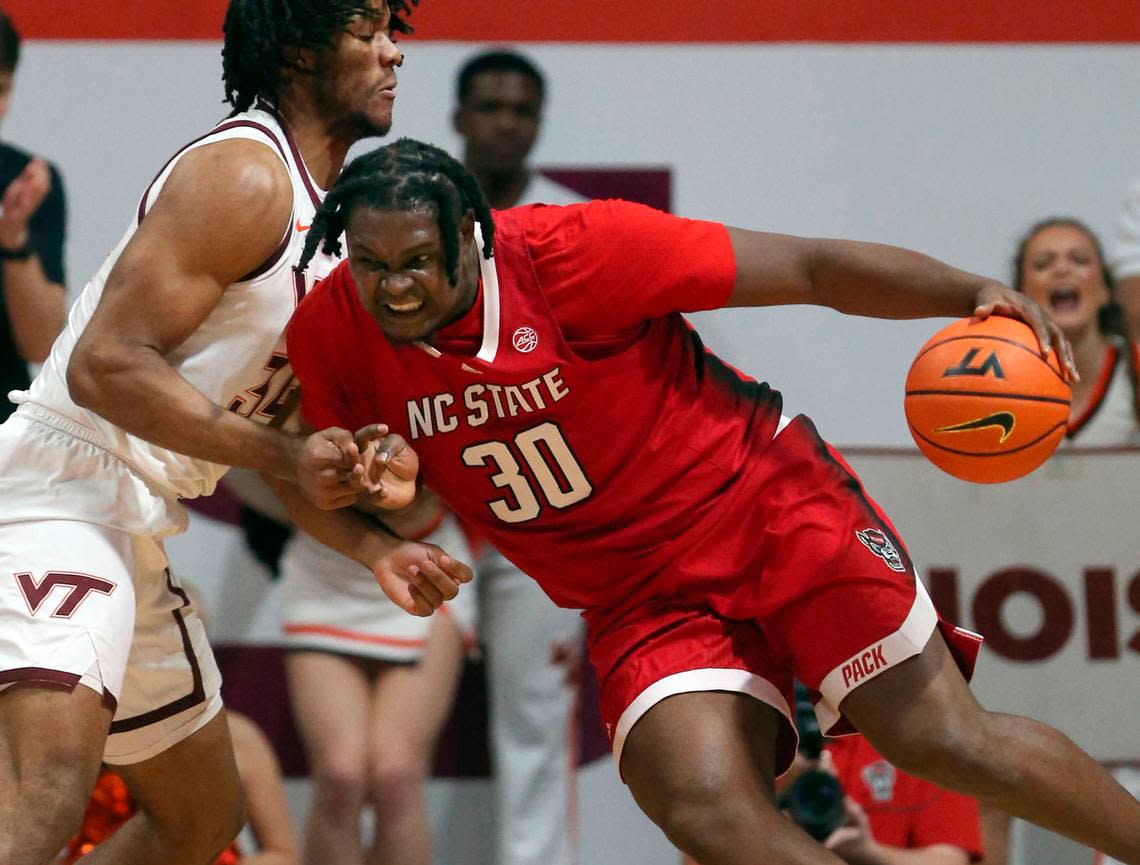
pixel 1005 420
pixel 302 228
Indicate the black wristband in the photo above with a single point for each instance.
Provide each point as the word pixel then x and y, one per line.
pixel 20 253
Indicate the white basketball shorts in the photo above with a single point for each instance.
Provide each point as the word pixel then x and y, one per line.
pixel 88 604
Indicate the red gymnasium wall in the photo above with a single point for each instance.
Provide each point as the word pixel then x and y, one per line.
pixel 681 21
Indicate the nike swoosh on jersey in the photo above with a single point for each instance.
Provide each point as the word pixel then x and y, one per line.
pixel 1004 420
pixel 302 228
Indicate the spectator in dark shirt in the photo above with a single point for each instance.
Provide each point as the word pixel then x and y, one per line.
pixel 32 294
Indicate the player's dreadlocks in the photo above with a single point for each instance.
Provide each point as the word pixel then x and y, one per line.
pixel 402 176
pixel 259 32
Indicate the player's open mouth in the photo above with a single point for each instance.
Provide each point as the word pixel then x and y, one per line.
pixel 1064 299
pixel 406 308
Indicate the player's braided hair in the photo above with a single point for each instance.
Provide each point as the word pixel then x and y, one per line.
pixel 402 176
pixel 258 33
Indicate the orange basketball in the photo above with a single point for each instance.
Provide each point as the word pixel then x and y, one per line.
pixel 982 403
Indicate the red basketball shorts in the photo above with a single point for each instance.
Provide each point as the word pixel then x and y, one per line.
pixel 817 586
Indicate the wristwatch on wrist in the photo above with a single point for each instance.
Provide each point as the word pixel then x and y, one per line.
pixel 20 253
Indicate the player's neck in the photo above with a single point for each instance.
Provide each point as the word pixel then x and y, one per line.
pixel 322 148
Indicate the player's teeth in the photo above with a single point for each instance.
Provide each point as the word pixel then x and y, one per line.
pixel 410 306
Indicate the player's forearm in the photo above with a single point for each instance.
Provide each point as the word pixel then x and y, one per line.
pixel 346 530
pixel 35 308
pixel 137 390
pixel 889 282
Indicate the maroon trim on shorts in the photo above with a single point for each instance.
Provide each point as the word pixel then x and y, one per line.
pixel 46 678
pixel 197 694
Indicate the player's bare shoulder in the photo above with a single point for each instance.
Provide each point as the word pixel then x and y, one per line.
pixel 232 199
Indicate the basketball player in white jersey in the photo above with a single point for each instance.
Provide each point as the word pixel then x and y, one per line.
pixel 170 369
pixel 532 647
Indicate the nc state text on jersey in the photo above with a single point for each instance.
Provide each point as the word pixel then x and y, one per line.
pixel 441 413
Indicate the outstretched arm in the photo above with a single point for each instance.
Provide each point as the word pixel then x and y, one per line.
pixel 875 280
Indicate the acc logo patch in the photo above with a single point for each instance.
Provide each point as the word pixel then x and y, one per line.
pixel 879 544
pixel 880 780
pixel 525 339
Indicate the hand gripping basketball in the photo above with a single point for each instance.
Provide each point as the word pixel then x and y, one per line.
pixel 983 404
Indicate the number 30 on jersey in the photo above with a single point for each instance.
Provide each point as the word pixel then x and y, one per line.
pixel 543 449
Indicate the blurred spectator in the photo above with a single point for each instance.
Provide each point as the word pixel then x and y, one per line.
pixel 370 686
pixel 32 294
pixel 371 689
pixel 1059 263
pixel 267 811
pixel 532 647
pixel 500 97
pixel 893 818
pixel 1126 257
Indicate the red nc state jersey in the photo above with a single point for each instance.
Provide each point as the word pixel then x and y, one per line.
pixel 573 416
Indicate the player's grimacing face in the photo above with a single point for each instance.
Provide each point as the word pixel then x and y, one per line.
pixel 396 259
pixel 357 75
pixel 1063 273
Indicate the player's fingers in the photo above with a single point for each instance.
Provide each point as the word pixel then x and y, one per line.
pixel 426 586
pixel 440 579
pixel 1065 350
pixel 372 433
pixel 420 605
pixel 455 569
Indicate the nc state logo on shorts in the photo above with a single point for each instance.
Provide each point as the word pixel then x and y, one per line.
pixel 879 544
pixel 880 780
pixel 525 339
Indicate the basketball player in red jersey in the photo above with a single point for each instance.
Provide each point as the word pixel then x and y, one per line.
pixel 538 362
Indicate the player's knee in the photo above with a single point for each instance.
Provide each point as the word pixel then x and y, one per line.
pixel 706 818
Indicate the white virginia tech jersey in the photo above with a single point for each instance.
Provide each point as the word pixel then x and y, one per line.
pixel 236 357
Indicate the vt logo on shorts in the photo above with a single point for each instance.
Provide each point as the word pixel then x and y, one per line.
pixel 879 544
pixel 81 585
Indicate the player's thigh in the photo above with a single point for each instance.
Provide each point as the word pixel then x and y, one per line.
pixel 702 750
pixel 916 706
pixel 192 789
pixel 411 702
